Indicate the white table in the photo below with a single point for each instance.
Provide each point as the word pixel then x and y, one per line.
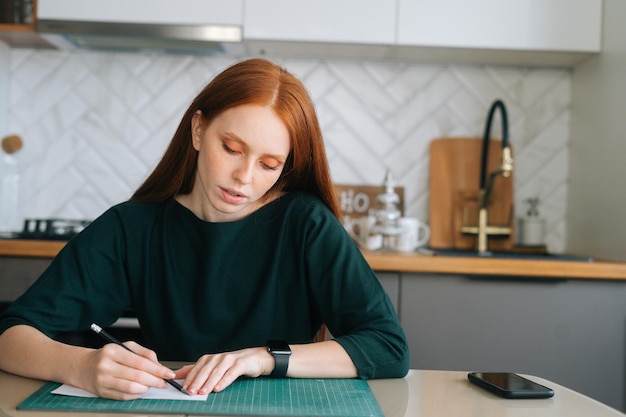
pixel 420 394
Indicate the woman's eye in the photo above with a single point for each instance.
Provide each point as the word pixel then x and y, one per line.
pixel 270 167
pixel 270 164
pixel 229 149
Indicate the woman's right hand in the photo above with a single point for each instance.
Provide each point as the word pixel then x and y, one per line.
pixel 114 372
pixel 109 372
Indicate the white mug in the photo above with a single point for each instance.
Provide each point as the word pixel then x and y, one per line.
pixel 361 227
pixel 362 230
pixel 414 234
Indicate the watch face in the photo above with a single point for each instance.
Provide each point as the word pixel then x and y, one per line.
pixel 278 346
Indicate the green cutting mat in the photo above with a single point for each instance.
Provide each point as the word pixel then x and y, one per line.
pixel 247 396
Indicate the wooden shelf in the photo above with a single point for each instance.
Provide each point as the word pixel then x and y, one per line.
pixel 417 263
pixel 23 35
pixel 10 27
pixel 30 248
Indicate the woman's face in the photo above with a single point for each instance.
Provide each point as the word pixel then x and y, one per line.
pixel 241 154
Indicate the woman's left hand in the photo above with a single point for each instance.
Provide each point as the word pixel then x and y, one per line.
pixel 213 373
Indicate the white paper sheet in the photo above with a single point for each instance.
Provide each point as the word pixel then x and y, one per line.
pixel 169 393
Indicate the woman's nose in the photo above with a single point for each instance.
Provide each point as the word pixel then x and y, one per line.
pixel 243 173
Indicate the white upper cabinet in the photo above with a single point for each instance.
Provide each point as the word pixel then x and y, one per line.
pixel 184 26
pixel 533 32
pixel 524 25
pixel 143 11
pixel 341 21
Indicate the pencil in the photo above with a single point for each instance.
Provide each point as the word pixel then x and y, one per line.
pixel 111 339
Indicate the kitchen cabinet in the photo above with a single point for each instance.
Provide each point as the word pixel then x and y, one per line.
pixel 569 331
pixel 23 34
pixel 185 26
pixel 17 274
pixel 557 25
pixel 524 25
pixel 391 283
pixel 525 32
pixel 558 33
pixel 345 21
pixel 144 11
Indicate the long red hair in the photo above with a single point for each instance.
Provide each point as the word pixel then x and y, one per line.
pixel 254 81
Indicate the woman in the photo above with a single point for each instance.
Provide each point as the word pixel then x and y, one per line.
pixel 233 240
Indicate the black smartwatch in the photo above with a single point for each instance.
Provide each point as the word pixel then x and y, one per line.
pixel 280 350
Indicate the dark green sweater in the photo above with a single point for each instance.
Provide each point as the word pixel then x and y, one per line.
pixel 199 287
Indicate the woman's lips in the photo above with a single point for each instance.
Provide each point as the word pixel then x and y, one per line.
pixel 232 196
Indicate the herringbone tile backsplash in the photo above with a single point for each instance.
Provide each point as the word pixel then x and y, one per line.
pixel 95 123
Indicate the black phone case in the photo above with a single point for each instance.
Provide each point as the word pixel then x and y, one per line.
pixel 512 394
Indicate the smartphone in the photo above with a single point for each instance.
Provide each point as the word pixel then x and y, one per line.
pixel 509 385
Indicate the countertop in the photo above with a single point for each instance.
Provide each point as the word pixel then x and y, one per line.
pixel 413 262
pixel 420 393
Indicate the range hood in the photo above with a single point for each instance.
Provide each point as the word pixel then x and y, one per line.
pixel 184 26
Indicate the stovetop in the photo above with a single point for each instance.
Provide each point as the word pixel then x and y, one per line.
pixel 51 229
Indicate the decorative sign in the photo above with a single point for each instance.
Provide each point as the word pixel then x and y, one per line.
pixel 358 200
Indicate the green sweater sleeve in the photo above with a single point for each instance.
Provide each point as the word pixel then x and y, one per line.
pixel 86 282
pixel 353 303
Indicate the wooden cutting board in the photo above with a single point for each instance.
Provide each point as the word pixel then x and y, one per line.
pixel 454 186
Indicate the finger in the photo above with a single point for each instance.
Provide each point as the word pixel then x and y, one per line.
pixel 141 351
pixel 119 362
pixel 182 373
pixel 113 380
pixel 143 377
pixel 224 372
pixel 199 377
pixel 228 378
pixel 121 389
pixel 146 360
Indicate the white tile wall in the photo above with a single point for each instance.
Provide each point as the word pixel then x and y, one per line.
pixel 95 123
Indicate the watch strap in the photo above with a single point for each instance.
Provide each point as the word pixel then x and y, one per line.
pixel 281 363
pixel 281 357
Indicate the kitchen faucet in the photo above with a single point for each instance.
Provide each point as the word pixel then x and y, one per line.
pixel 505 169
